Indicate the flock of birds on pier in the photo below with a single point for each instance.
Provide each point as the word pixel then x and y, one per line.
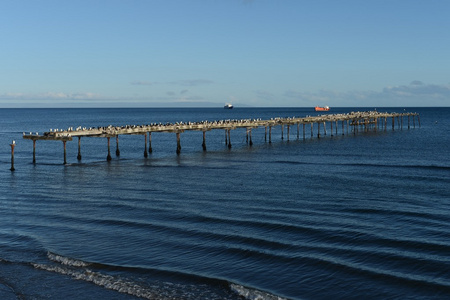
pixel 240 122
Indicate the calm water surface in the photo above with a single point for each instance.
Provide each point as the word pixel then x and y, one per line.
pixel 344 216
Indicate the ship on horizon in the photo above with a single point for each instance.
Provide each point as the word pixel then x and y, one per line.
pixel 324 108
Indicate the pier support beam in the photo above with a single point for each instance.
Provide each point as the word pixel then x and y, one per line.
pixel 79 148
pixel 282 131
pixel 229 138
pixel 265 133
pixel 117 146
pixel 298 131
pixel 304 133
pixel 65 152
pixel 34 151
pixel 108 157
pixel 288 131
pixel 204 141
pixel 150 150
pixel 145 145
pixel 178 143
pixel 270 134
pixel 318 129
pixel 226 136
pixel 331 126
pixel 324 128
pixel 13 144
pixel 312 134
pixel 250 136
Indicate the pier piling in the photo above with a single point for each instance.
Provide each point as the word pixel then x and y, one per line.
pixel 178 143
pixel 108 157
pixel 117 146
pixel 150 150
pixel 204 141
pixel 145 145
pixel 34 151
pixel 65 152
pixel 79 148
pixel 13 145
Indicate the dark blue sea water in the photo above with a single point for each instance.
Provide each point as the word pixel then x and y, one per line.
pixel 363 214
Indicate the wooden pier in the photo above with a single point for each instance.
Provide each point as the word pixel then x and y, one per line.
pixel 354 120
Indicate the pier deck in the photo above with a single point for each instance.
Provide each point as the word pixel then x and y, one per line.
pixel 354 119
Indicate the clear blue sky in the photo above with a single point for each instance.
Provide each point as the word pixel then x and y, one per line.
pixel 92 53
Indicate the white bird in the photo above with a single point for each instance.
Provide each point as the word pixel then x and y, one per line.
pixel 13 142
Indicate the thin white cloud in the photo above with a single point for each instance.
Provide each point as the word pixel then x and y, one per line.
pixel 417 93
pixel 50 96
pixel 192 82
pixel 138 82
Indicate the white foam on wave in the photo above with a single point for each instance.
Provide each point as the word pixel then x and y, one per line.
pixel 106 281
pixel 77 269
pixel 66 260
pixel 252 294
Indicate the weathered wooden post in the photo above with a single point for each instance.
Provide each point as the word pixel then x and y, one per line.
pixel 250 136
pixel 265 133
pixel 318 129
pixel 117 146
pixel 13 144
pixel 331 127
pixel 282 131
pixel 408 120
pixel 288 131
pixel 226 136
pixel 270 134
pixel 150 149
pixel 79 148
pixel 401 121
pixel 418 119
pixel 246 135
pixel 336 127
pixel 312 134
pixel 393 123
pixel 229 138
pixel 204 141
pixel 324 128
pixel 304 131
pixel 34 151
pixel 145 145
pixel 178 143
pixel 108 157
pixel 65 152
pixel 298 130
pixel 342 127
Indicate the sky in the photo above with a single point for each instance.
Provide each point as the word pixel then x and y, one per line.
pixel 205 53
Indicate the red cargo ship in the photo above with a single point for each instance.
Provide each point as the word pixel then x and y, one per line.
pixel 325 108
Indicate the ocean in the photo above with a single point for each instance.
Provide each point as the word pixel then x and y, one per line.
pixel 347 216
